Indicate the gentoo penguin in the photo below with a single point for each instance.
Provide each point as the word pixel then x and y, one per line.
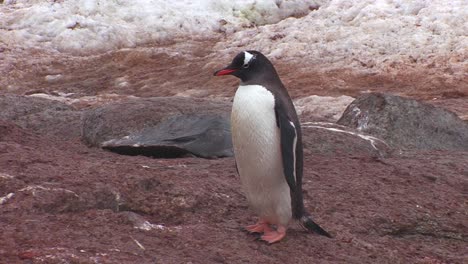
pixel 267 141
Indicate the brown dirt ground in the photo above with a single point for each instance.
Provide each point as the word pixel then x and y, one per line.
pixel 82 206
pixel 186 69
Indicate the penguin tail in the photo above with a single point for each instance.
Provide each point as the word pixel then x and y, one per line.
pixel 307 223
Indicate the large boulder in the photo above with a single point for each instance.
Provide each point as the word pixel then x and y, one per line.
pixel 42 116
pixel 406 123
pixel 161 127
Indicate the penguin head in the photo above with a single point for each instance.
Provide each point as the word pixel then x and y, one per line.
pixel 247 66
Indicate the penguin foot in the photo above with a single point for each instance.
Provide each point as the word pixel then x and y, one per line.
pixel 274 236
pixel 260 227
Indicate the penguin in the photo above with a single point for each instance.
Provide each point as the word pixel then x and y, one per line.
pixel 267 143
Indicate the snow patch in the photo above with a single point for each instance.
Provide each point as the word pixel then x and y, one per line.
pixel 366 34
pixel 148 226
pixel 5 198
pixel 121 82
pixel 53 78
pixel 101 25
pixel 36 188
pixel 6 176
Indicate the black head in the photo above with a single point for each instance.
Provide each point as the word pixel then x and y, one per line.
pixel 247 66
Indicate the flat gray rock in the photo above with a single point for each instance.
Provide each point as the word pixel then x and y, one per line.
pixel 406 123
pixel 161 127
pixel 206 136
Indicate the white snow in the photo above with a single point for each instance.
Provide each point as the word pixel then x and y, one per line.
pixel 6 176
pixel 53 77
pixel 34 189
pixel 369 35
pixel 147 226
pixel 5 198
pixel 87 26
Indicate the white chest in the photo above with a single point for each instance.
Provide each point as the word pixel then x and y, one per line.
pixel 253 116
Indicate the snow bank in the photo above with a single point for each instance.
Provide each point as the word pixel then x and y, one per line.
pixel 88 26
pixel 372 35
pixel 365 33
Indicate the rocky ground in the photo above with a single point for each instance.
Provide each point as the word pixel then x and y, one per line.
pixel 62 201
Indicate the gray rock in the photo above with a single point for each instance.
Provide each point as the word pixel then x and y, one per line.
pixel 42 116
pixel 161 127
pixel 329 139
pixel 406 123
pixel 206 136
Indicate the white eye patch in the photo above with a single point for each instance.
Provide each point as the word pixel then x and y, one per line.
pixel 247 58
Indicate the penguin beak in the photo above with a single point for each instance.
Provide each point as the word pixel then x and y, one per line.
pixel 225 71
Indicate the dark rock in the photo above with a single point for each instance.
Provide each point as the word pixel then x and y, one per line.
pixel 406 123
pixel 330 139
pixel 206 136
pixel 163 127
pixel 43 116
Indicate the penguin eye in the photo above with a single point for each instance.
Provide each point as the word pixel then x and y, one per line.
pixel 245 66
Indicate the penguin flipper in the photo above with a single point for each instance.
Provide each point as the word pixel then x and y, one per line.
pixel 288 138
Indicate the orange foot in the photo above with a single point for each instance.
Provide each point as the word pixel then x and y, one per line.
pixel 260 227
pixel 275 236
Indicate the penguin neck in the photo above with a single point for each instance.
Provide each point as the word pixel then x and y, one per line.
pixel 261 79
